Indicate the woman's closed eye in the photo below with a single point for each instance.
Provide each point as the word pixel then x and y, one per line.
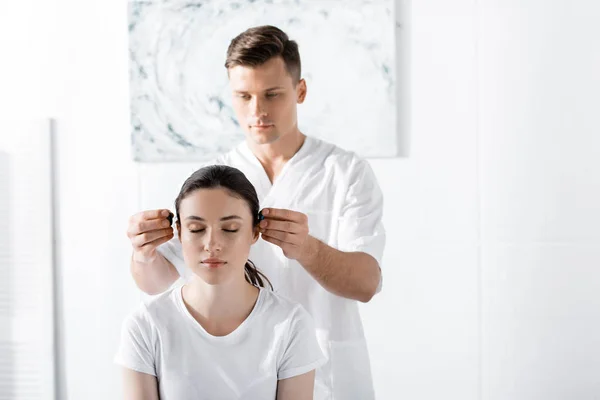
pixel 203 229
pixel 231 228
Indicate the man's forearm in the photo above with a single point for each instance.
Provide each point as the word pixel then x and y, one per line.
pixel 153 276
pixel 354 275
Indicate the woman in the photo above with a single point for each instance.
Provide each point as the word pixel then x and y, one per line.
pixel 222 335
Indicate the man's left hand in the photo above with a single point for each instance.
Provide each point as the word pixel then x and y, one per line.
pixel 287 229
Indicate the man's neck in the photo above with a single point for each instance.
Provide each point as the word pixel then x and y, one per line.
pixel 220 309
pixel 274 156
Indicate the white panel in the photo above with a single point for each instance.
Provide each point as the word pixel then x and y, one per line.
pixel 541 322
pixel 27 87
pixel 540 101
pixel 26 261
pixel 422 329
pixel 97 191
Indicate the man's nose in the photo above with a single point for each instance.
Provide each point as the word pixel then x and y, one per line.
pixel 257 108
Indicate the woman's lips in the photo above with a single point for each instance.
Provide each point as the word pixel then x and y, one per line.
pixel 213 262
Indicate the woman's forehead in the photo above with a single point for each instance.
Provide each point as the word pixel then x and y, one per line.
pixel 214 202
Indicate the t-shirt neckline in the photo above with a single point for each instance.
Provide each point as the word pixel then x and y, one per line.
pixel 231 337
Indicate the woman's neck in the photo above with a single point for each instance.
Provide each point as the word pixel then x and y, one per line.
pixel 220 309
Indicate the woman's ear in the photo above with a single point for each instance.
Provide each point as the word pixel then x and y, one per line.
pixel 255 234
pixel 178 226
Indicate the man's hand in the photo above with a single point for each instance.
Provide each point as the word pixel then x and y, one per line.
pixel 286 229
pixel 148 230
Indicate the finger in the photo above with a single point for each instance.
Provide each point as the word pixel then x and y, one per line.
pixel 151 214
pixel 139 227
pixel 283 236
pixel 147 237
pixel 273 240
pixel 155 243
pixel 283 226
pixel 284 215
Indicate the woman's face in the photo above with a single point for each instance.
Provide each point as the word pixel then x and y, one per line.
pixel 216 231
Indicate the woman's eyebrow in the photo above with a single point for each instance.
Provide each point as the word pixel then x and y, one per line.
pixel 229 217
pixel 196 218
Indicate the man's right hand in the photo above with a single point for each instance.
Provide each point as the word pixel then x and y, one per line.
pixel 148 230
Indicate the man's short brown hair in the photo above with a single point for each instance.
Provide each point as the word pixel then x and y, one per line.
pixel 258 45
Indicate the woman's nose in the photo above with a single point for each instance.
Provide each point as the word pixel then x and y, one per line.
pixel 212 243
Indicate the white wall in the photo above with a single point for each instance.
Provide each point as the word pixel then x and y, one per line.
pixel 539 151
pixel 492 265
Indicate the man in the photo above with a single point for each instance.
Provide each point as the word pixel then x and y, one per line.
pixel 322 234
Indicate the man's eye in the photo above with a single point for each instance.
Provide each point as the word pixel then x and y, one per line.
pixel 271 95
pixel 244 96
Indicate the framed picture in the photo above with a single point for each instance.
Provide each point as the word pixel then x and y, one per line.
pixel 180 98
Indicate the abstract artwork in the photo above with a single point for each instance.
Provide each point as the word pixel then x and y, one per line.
pixel 180 99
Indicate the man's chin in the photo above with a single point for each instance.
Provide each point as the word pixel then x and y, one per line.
pixel 264 138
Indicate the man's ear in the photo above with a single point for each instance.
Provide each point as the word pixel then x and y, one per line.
pixel 301 91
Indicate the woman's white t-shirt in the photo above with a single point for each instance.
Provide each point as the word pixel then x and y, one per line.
pixel 276 341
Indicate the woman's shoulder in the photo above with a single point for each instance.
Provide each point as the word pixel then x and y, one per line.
pixel 280 307
pixel 153 311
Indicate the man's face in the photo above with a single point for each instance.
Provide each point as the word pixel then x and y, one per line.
pixel 265 99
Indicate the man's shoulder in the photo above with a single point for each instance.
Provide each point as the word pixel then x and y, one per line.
pixel 321 152
pixel 338 157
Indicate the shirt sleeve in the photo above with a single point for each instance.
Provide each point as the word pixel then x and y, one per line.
pixel 173 252
pixel 137 348
pixel 360 224
pixel 302 352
